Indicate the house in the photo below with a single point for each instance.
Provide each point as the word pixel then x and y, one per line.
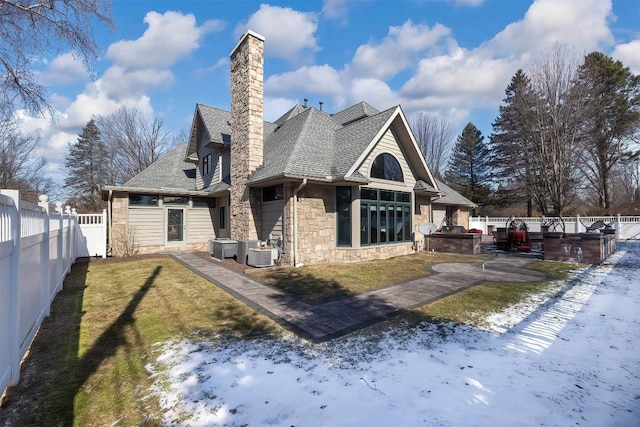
pixel 451 208
pixel 341 187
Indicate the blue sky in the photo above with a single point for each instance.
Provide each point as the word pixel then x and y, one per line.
pixel 452 59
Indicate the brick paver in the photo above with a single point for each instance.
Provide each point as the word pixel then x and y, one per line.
pixel 320 322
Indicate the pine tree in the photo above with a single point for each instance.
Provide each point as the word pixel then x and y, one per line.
pixel 613 119
pixel 85 163
pixel 469 171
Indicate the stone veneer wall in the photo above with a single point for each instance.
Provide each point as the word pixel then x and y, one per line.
pixel 421 215
pixel 119 216
pixel 317 230
pixel 459 243
pixel 247 73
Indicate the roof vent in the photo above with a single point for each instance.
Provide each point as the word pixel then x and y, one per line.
pixel 305 102
pixel 321 105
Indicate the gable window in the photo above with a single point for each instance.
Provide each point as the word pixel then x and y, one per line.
pixel 206 164
pixel 343 214
pixel 385 216
pixel 385 166
pixel 271 194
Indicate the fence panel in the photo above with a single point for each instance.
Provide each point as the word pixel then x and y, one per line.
pixel 627 227
pixel 36 251
pixel 92 235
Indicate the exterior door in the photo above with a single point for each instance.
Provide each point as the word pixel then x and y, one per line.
pixel 175 225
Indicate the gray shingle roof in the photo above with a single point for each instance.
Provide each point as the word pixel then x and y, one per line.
pixel 451 197
pixel 353 113
pixel 217 122
pixel 170 171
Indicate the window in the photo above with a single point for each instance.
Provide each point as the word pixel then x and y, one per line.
pixel 343 214
pixel 206 164
pixel 385 166
pixel 385 216
pixel 175 200
pixel 270 194
pixel 143 200
pixel 222 218
pixel 199 202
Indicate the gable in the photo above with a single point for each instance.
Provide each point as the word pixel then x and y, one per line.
pixel 388 143
pixel 395 137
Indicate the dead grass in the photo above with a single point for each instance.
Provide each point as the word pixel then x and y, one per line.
pixel 87 364
pixel 472 306
pixel 319 283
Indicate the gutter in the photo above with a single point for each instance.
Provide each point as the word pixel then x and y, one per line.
pixel 295 223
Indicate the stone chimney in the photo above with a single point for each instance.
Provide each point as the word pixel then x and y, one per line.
pixel 247 72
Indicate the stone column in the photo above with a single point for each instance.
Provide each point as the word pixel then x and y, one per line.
pixel 247 73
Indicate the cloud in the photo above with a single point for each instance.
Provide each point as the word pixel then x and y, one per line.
pixel 317 79
pixel 63 69
pixel 289 34
pixel 397 51
pixel 627 53
pixel 335 9
pixel 169 37
pixel 139 66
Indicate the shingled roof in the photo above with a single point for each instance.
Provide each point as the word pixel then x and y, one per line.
pixel 452 197
pixel 169 172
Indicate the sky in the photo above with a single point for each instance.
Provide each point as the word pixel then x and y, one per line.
pixel 568 357
pixel 449 58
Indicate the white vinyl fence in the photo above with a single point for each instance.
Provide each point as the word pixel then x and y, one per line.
pixel 37 248
pixel 627 227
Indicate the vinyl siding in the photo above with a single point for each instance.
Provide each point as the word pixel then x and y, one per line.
pixel 200 225
pixel 388 144
pixel 148 225
pixel 439 213
pixel 272 222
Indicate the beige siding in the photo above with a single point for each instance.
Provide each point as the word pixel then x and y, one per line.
pixel 388 144
pixel 200 225
pixel 204 181
pixel 272 220
pixel 439 214
pixel 148 225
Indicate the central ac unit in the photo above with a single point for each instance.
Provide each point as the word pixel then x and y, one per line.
pixel 243 249
pixel 262 257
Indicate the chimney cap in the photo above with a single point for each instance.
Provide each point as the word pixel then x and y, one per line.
pixel 244 36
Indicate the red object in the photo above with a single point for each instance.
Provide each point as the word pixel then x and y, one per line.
pixel 524 248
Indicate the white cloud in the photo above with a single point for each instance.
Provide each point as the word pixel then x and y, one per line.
pixel 289 34
pixel 583 24
pixel 170 37
pixel 276 107
pixel 335 9
pixel 63 69
pixel 139 66
pixel 629 55
pixel 397 51
pixel 319 79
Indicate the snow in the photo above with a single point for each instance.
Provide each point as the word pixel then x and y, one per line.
pixel 568 359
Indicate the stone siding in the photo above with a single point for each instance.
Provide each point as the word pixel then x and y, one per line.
pixel 589 248
pixel 459 243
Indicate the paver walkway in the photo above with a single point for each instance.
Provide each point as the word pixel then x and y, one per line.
pixel 321 322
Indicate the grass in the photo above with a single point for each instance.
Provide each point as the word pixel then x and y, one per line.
pixel 87 364
pixel 319 283
pixel 472 306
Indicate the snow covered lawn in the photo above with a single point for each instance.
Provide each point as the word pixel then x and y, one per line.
pixel 570 360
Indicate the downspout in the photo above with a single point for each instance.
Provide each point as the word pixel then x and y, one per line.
pixel 295 223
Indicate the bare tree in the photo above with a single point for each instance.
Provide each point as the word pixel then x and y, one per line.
pixel 435 137
pixel 133 142
pixel 30 30
pixel 20 167
pixel 538 134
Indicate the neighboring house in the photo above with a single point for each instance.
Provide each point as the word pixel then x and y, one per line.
pixel 340 187
pixel 452 208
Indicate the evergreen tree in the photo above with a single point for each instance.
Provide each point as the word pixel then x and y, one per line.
pixel 85 163
pixel 613 100
pixel 469 171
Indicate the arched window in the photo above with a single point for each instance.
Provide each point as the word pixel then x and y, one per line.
pixel 385 166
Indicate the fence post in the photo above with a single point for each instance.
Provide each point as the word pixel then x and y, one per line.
pixel 104 232
pixel 45 255
pixel 59 243
pixel 617 227
pixel 578 223
pixel 14 288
